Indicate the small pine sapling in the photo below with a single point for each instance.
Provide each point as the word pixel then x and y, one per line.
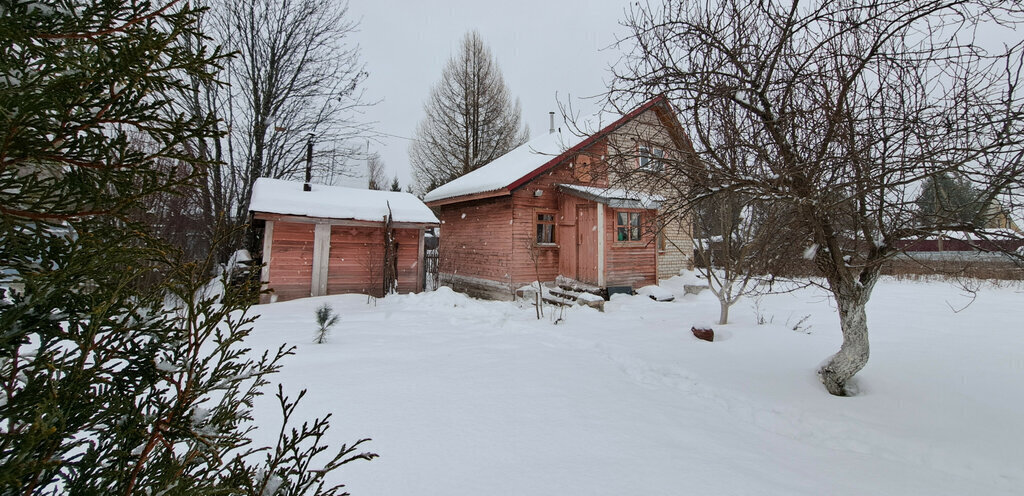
pixel 325 319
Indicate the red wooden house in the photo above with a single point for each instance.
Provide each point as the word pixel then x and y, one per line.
pixel 331 239
pixel 553 207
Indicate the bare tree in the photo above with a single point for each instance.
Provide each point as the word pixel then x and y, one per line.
pixel 295 76
pixel 470 118
pixel 375 172
pixel 740 243
pixel 846 108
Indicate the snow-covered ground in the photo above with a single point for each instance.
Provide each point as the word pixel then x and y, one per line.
pixel 470 397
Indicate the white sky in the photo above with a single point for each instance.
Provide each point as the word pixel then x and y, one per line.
pixel 544 48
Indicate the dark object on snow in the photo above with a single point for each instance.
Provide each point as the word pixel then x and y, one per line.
pixel 702 333
pixel 627 290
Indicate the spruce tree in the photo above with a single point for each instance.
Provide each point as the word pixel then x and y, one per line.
pixel 949 201
pixel 120 372
pixel 471 118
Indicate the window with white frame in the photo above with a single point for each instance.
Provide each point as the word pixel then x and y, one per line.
pixel 650 158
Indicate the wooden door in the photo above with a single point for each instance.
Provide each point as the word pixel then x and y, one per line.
pixel 586 244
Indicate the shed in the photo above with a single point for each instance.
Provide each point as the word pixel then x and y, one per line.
pixel 332 239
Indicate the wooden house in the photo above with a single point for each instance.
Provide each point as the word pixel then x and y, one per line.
pixel 556 206
pixel 331 239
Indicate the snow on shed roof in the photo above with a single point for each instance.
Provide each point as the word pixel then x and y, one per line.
pixel 278 196
pixel 508 168
pixel 614 197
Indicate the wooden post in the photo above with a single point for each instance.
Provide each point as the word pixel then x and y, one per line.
pixel 600 244
pixel 268 243
pixel 321 258
pixel 421 262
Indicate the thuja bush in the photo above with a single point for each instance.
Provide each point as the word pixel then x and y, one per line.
pixel 120 373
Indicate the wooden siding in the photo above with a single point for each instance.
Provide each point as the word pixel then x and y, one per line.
pixel 524 232
pixel 357 260
pixel 559 259
pixel 476 239
pixel 354 264
pixel 629 263
pixel 291 260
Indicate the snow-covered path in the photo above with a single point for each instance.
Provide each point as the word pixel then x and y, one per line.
pixel 467 397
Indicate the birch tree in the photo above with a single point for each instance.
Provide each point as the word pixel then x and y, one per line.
pixel 470 120
pixel 847 107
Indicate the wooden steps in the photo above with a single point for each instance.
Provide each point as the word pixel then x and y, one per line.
pixel 560 295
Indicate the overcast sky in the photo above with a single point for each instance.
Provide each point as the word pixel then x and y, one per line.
pixel 544 49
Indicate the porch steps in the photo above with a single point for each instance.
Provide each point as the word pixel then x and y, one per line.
pixel 563 297
pixel 580 287
pixel 566 297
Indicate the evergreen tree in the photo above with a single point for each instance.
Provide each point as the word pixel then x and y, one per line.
pixel 121 372
pixel 470 118
pixel 949 201
pixel 394 185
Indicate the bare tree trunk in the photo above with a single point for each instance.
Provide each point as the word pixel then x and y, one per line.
pixel 723 313
pixel 854 352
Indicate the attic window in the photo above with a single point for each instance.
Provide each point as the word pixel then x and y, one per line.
pixel 582 170
pixel 650 158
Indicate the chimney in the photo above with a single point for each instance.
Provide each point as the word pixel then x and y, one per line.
pixel 551 116
pixel 309 164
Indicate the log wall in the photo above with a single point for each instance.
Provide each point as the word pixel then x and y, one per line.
pixel 629 263
pixel 476 239
pixel 354 264
pixel 291 260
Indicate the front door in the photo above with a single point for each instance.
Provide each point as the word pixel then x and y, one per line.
pixel 586 243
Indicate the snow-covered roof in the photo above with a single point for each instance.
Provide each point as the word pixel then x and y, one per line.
pixel 525 162
pixel 278 196
pixel 614 197
pixel 508 168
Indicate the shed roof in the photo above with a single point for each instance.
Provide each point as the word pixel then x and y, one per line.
pixel 278 196
pixel 614 197
pixel 526 162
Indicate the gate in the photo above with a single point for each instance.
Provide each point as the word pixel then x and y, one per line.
pixel 430 270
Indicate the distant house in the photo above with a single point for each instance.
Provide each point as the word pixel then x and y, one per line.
pixel 997 216
pixel 331 239
pixel 549 208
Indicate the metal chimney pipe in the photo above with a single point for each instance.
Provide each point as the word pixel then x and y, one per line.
pixel 309 164
pixel 551 116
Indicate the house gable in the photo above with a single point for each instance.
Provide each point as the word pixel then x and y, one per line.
pixel 522 165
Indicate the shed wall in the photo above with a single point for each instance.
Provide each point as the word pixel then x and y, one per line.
pixel 291 260
pixel 354 264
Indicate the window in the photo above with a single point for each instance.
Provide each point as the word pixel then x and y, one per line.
pixel 650 158
pixel 545 228
pixel 627 226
